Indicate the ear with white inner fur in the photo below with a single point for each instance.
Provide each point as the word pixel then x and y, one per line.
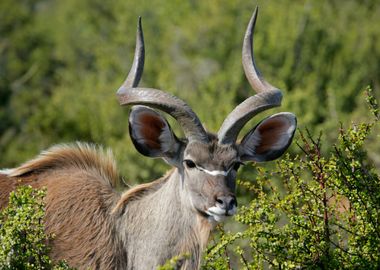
pixel 269 139
pixel 152 135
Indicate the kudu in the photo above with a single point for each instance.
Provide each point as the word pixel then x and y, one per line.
pixel 96 227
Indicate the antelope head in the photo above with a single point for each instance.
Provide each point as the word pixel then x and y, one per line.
pixel 207 164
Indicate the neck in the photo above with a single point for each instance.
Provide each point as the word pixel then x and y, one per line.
pixel 157 219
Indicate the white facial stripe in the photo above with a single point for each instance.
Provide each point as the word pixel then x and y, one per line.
pixel 214 173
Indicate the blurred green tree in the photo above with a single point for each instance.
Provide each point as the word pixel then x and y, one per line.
pixel 62 61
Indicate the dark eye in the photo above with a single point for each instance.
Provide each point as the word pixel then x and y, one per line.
pixel 189 163
pixel 236 166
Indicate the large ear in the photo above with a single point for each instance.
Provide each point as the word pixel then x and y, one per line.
pixel 152 135
pixel 269 139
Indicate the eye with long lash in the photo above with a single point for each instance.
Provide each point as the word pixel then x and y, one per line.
pixel 189 163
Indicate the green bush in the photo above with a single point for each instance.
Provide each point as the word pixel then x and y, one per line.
pixel 326 215
pixel 22 237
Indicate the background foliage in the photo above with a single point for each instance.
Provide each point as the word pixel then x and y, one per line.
pixel 61 63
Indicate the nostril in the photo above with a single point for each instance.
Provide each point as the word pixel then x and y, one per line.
pixel 220 201
pixel 233 203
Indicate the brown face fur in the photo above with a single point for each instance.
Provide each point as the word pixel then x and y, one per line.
pixel 205 182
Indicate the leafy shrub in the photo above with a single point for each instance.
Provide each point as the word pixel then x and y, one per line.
pixel 22 237
pixel 326 215
pixel 174 263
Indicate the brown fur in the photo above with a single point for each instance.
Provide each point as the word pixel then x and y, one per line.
pixel 151 130
pixel 80 155
pixel 270 132
pixel 6 186
pixel 80 200
pixel 80 182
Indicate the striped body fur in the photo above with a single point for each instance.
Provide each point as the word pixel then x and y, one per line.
pixel 95 226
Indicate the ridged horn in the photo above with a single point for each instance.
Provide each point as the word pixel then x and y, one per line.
pixel 130 94
pixel 267 95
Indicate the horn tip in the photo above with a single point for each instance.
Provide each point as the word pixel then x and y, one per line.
pixel 254 15
pixel 139 23
pixel 251 26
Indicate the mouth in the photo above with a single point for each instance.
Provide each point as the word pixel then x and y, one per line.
pixel 218 214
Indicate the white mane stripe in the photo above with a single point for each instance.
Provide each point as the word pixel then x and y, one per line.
pixel 6 171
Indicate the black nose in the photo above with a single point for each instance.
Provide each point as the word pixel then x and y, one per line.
pixel 226 202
